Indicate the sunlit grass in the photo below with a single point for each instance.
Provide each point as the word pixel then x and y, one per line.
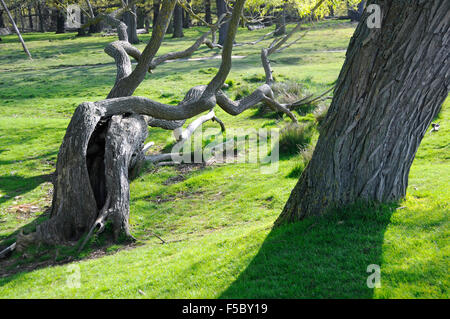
pixel 217 220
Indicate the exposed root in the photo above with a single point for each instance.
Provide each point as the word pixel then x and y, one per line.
pixel 24 241
pixel 7 251
pixel 98 224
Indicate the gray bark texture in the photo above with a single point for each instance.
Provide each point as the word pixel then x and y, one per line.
pixel 393 83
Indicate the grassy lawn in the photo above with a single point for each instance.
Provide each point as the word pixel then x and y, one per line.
pixel 216 220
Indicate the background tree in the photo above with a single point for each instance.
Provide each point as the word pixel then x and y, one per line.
pixel 130 19
pixel 208 17
pixel 281 21
pixel 222 9
pixel 186 17
pixel 178 22
pixel 2 22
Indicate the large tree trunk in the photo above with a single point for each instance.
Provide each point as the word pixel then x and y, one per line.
pixel 130 20
pixel 178 22
pixel 100 153
pixel 393 83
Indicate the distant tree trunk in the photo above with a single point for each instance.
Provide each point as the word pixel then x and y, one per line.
pixel 95 27
pixel 30 17
pixel 268 21
pixel 208 17
pixel 156 5
pixel 170 26
pixel 140 17
pixel 186 17
pixel 280 25
pixel 391 86
pixel 2 22
pixel 331 9
pixel 147 22
pixel 221 9
pixel 22 24
pixel 178 22
pixel 60 21
pixel 130 20
pixel 41 17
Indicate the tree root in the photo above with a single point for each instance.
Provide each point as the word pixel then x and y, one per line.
pixel 7 251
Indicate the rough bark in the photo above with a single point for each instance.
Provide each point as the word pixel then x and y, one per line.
pixel 393 82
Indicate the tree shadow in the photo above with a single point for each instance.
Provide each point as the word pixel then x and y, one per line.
pixel 14 185
pixel 36 257
pixel 324 257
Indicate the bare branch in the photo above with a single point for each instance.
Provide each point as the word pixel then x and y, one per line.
pixel 307 100
pixel 183 135
pixel 180 54
pixel 127 85
pixel 217 82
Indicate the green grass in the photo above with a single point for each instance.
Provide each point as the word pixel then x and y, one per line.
pixel 216 220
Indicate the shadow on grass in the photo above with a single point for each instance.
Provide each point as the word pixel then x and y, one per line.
pixel 17 185
pixel 35 257
pixel 324 257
